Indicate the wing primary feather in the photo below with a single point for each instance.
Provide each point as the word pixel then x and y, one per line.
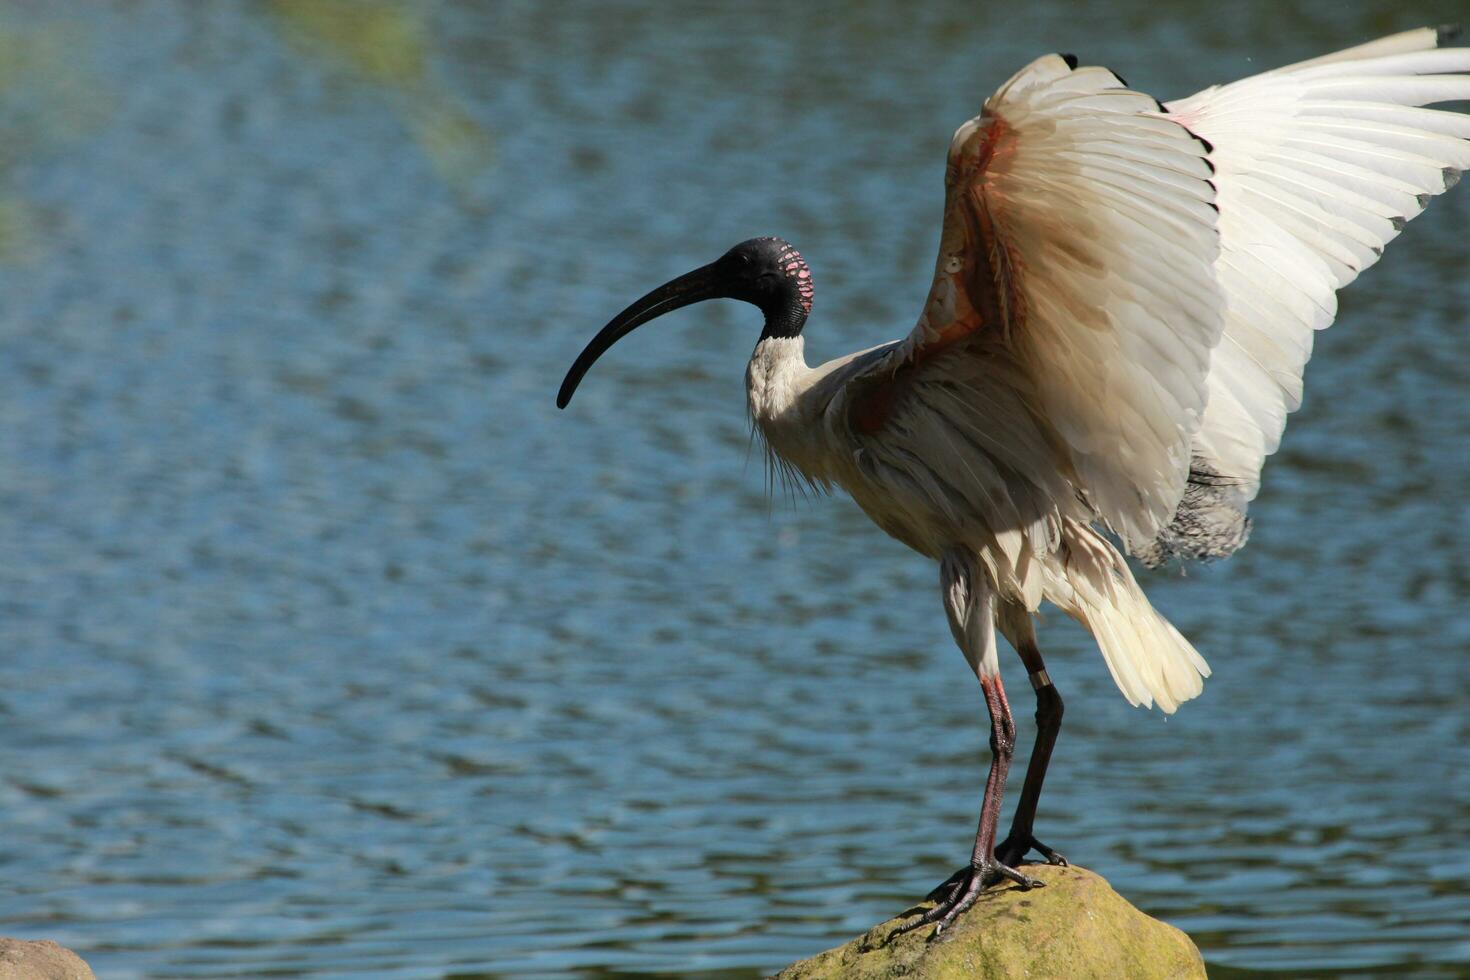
pixel 1318 165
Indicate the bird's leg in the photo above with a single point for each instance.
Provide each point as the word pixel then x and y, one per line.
pixel 1048 722
pixel 970 604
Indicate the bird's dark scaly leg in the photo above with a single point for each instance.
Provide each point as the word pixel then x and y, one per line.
pixel 1021 840
pixel 971 607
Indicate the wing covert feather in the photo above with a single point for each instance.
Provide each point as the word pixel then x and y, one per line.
pixel 1079 236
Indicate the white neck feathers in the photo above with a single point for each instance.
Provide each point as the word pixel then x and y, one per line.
pixel 775 378
pixel 779 389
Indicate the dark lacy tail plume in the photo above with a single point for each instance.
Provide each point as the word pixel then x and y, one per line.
pixel 1209 523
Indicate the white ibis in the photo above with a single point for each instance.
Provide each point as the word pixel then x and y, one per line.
pixel 1125 297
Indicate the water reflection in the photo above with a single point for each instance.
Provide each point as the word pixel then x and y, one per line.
pixel 391 46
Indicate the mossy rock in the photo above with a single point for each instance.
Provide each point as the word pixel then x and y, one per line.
pixel 1076 926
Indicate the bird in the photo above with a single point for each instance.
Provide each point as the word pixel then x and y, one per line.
pixel 1124 299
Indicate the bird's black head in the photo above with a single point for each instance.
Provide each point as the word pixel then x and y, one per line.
pixel 771 274
pixel 765 272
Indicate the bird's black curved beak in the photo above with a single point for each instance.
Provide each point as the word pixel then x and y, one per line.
pixel 692 287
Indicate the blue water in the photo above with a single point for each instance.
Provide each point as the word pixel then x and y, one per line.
pixel 329 648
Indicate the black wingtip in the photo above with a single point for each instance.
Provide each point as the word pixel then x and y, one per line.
pixel 1071 60
pixel 1445 33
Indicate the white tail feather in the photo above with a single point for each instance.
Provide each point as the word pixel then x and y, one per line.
pixel 1150 660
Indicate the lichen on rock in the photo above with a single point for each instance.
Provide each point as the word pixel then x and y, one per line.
pixel 1076 926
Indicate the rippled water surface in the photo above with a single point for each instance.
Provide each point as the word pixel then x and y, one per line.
pixel 329 648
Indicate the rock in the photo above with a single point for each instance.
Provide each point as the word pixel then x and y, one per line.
pixel 21 959
pixel 1076 926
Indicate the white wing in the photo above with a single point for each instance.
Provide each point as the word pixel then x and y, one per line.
pixel 1074 277
pixel 1318 166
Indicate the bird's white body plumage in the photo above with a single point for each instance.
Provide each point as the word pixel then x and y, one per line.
pixel 1030 548
pixel 1125 298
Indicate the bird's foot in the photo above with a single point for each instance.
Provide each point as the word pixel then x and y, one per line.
pixel 959 891
pixel 1013 851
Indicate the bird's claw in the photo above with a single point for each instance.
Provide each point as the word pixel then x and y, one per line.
pixel 1013 850
pixel 960 890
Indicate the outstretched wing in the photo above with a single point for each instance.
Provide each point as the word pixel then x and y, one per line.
pixel 1318 166
pixel 1074 280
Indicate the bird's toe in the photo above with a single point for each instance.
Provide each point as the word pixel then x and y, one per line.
pixel 954 896
pixel 942 890
pixel 1013 851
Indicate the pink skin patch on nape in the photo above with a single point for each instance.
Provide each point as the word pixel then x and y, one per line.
pixel 795 267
